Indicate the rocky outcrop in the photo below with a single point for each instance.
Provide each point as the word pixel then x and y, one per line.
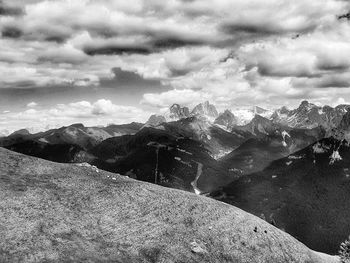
pixel 155 120
pixel 205 110
pixel 177 112
pixel 226 119
pixel 309 116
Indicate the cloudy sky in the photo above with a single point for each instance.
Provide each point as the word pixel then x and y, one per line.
pixel 113 61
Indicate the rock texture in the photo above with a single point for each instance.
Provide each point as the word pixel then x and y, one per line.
pixel 205 110
pixel 68 213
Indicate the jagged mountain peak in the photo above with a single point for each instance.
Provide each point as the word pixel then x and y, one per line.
pixel 259 110
pixel 306 104
pixel 177 112
pixel 205 109
pixel 226 119
pixel 259 125
pixel 345 122
pixel 155 120
pixel 259 118
pixel 342 131
pixel 309 115
pixel 283 110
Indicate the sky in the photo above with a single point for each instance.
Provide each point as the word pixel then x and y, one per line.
pixel 101 61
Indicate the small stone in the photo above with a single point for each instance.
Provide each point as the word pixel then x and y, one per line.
pixel 197 248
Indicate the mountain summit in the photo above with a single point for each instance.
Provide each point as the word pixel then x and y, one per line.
pixel 205 109
pixel 177 112
pixel 309 115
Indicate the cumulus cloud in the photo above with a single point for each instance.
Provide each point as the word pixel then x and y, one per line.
pixel 32 104
pixel 100 112
pixel 231 52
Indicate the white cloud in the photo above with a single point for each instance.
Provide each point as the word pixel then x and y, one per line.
pixel 281 50
pixel 100 112
pixel 184 97
pixel 32 104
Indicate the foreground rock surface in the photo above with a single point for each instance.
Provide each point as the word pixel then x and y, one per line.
pixel 68 213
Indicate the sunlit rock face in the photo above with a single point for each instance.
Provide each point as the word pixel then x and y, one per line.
pixel 206 110
pixel 176 112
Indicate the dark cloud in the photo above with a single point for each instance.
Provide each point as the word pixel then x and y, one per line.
pixel 336 68
pixel 260 29
pixel 179 72
pixel 25 84
pixel 11 32
pixel 155 45
pixel 273 71
pixel 56 38
pixel 115 50
pixel 235 28
pixel 9 10
pixel 129 79
pixel 334 82
pixel 173 42
pixel 344 16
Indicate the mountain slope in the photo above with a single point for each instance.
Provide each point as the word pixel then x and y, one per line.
pixel 65 213
pixel 205 110
pixel 257 153
pixel 307 194
pixel 177 161
pixel 309 115
pixel 75 134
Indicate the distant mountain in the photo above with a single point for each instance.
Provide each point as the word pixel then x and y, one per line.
pixel 342 131
pixel 24 132
pixel 216 139
pixel 75 134
pixel 245 115
pixel 62 153
pixel 155 120
pixel 306 194
pixel 226 120
pixel 205 110
pixel 176 112
pixel 152 153
pixel 76 213
pixel 257 153
pixel 260 126
pixel 309 116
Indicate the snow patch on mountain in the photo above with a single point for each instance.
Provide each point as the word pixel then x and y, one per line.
pixel 184 151
pixel 284 135
pixel 294 157
pixel 43 140
pixel 320 148
pixel 221 153
pixel 335 157
pixel 243 116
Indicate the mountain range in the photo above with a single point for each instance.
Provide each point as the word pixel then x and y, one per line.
pixel 285 166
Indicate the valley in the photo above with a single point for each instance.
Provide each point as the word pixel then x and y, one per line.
pixel 288 167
